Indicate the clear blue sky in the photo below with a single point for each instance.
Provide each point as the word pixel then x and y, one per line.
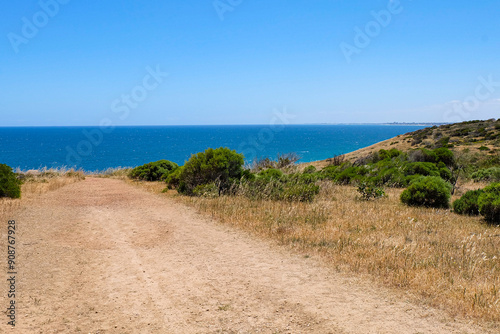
pixel 237 65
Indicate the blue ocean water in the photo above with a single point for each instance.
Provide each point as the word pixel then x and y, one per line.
pixel 94 148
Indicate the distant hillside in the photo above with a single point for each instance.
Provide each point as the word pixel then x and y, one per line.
pixel 477 136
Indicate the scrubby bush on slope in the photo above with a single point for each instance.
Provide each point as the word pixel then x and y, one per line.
pixel 174 179
pixel 428 191
pixel 10 186
pixel 154 171
pixel 222 166
pixel 422 168
pixel 445 156
pixel 468 203
pixel 489 174
pixel 489 203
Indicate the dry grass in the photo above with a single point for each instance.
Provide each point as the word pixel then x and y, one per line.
pixel 445 260
pixel 38 182
pixel 113 173
pixel 153 187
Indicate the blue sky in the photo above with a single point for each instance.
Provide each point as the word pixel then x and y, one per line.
pixel 238 61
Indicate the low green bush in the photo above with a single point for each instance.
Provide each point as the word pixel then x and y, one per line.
pixel 10 185
pixel 491 174
pixel 489 203
pixel 299 192
pixel 309 170
pixel 270 174
pixel 329 172
pixel 468 203
pixel 174 179
pixel 421 168
pixel 446 174
pixel 221 166
pixel 423 155
pixel 154 171
pixel 352 174
pixel 445 156
pixel 386 155
pixel 428 191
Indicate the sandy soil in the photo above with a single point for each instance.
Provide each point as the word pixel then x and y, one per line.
pixel 102 256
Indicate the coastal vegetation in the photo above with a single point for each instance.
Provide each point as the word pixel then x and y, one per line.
pixel 154 171
pixel 385 214
pixel 428 191
pixel 10 185
pixel 213 169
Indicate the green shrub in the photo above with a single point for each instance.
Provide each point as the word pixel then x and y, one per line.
pixel 489 203
pixel 350 175
pixel 247 175
pixel 491 174
pixel 329 172
pixel 154 171
pixel 307 178
pixel 309 170
pixel 222 166
pixel 428 191
pixel 10 186
pixel 390 177
pixel 445 156
pixel 174 179
pixel 421 168
pixel 387 155
pixel 443 142
pixel 468 203
pixel 270 173
pixel 446 174
pixel 300 192
pixel 423 155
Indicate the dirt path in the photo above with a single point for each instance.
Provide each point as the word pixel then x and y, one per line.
pixel 101 256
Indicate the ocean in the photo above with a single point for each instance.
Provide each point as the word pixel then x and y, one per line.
pixel 96 149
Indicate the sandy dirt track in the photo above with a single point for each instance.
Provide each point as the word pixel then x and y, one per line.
pixel 103 256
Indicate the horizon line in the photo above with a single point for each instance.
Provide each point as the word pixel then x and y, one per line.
pixel 253 124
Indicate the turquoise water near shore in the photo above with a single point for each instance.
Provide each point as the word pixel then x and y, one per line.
pixel 95 148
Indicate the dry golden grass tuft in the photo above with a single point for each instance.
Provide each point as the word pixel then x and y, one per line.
pixel 114 173
pixel 153 187
pixel 36 182
pixel 442 259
